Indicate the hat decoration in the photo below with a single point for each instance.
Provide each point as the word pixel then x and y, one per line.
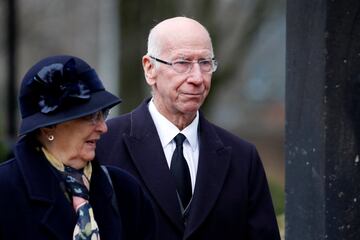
pixel 59 89
pixel 57 85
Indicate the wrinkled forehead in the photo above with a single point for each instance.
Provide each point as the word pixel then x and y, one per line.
pixel 188 53
pixel 186 45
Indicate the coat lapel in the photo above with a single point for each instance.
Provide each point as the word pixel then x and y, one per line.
pixel 47 193
pixel 52 219
pixel 214 161
pixel 106 215
pixel 145 149
pixel 43 187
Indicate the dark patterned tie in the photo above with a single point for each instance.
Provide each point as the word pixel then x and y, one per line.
pixel 180 170
pixel 78 185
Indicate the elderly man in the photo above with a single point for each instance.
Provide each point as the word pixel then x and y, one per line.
pixel 205 183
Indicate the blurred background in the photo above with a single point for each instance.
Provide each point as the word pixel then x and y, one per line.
pixel 247 95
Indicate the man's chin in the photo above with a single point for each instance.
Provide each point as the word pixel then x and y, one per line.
pixel 191 108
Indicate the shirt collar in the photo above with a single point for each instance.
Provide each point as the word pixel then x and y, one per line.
pixel 167 130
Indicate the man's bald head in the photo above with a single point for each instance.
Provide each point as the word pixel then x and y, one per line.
pixel 177 32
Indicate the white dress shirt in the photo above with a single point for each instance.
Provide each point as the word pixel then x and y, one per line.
pixel 167 131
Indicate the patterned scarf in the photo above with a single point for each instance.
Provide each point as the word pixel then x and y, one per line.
pixel 77 186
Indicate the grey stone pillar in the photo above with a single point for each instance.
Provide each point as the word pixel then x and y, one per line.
pixel 323 120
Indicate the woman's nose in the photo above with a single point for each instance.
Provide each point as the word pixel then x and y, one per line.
pixel 101 126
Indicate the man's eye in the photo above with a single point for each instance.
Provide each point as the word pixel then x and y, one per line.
pixel 205 62
pixel 182 62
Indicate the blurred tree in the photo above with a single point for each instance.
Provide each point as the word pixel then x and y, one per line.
pixel 136 19
pixel 11 120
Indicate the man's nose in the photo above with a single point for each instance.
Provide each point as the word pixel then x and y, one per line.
pixel 196 75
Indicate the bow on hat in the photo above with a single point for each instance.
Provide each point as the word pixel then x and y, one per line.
pixel 57 84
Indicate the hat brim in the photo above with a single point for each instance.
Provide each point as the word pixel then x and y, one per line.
pixel 98 101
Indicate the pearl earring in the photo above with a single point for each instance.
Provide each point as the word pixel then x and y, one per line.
pixel 51 138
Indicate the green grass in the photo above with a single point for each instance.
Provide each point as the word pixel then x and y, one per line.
pixel 278 197
pixel 4 151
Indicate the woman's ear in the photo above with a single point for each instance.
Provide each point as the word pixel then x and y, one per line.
pixel 45 133
pixel 47 130
pixel 149 70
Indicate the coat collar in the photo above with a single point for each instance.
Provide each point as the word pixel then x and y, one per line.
pixel 214 162
pixel 44 187
pixel 145 148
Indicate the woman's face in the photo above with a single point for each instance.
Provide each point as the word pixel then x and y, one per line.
pixel 75 140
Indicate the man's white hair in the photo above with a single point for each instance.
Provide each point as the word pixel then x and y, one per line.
pixel 153 44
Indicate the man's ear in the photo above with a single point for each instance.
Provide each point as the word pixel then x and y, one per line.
pixel 149 70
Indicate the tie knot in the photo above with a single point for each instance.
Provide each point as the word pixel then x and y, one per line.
pixel 179 139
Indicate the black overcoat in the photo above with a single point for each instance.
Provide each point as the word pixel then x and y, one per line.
pixel 231 198
pixel 33 204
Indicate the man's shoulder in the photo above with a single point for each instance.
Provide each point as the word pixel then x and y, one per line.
pixel 119 118
pixel 121 121
pixel 125 120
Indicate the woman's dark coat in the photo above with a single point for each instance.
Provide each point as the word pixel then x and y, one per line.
pixel 33 204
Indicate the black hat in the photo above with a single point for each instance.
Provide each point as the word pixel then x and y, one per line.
pixel 58 89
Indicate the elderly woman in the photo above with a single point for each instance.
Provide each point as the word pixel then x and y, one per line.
pixel 54 188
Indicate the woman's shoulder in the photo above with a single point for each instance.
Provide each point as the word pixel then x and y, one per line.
pixel 11 180
pixel 7 168
pixel 122 179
